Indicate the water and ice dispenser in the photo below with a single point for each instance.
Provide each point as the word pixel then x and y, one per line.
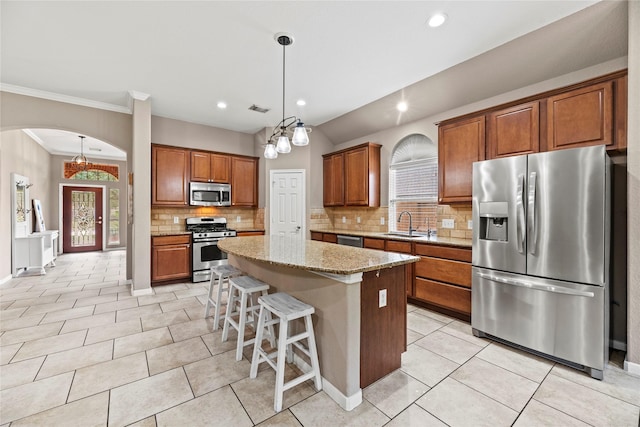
pixel 494 221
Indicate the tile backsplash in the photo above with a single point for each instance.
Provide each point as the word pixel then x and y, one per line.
pixel 162 219
pixel 361 219
pixel 461 215
pixel 370 219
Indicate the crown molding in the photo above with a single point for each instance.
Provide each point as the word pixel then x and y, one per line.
pixel 35 137
pixel 36 93
pixel 139 96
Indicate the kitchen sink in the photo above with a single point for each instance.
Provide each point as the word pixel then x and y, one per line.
pixel 403 234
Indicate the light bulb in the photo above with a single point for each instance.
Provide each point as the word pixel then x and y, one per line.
pixel 270 151
pixel 437 19
pixel 300 136
pixel 283 144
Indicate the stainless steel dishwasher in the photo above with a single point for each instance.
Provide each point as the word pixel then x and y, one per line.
pixel 350 241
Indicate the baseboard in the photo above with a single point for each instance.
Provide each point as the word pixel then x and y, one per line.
pixel 618 345
pixel 632 368
pixel 5 280
pixel 346 402
pixel 141 292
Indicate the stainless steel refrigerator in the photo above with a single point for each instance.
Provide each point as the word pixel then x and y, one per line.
pixel 541 254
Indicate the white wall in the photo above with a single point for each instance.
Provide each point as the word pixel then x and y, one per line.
pixel 633 184
pixel 191 135
pixel 22 155
pixel 427 126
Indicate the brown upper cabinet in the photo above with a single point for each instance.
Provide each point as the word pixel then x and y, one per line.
pixel 620 112
pixel 333 179
pixel 459 145
pixel 244 181
pixel 514 130
pixel 352 176
pixel 210 167
pixel 593 112
pixel 169 176
pixel 362 176
pixel 581 117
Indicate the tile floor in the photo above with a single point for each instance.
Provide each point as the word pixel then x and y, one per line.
pixel 77 349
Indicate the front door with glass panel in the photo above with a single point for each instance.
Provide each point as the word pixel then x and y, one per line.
pixel 82 219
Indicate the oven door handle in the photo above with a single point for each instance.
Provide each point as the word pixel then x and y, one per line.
pixel 215 240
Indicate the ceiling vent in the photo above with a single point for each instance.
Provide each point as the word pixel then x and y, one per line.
pixel 254 107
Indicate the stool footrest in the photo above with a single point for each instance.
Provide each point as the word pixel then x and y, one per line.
pixel 302 378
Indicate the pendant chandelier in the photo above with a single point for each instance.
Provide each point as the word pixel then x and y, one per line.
pixel 80 160
pixel 279 140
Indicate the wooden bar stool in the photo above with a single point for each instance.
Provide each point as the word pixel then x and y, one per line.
pixel 286 308
pixel 242 304
pixel 221 275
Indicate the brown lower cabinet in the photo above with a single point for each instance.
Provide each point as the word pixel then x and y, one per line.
pixel 170 258
pixel 443 278
pixel 440 281
pixel 250 233
pixel 324 237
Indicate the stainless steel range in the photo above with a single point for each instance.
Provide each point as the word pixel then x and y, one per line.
pixel 207 232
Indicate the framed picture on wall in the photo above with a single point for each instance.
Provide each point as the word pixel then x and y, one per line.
pixel 37 209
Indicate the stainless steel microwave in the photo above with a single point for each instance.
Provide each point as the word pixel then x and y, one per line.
pixel 207 194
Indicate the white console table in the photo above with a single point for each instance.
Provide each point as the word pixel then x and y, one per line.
pixel 36 250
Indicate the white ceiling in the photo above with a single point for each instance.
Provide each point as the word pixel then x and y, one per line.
pixel 60 142
pixel 347 55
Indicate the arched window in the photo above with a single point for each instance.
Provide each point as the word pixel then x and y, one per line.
pixel 413 184
pixel 95 172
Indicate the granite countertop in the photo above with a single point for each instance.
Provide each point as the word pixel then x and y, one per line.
pixel 168 233
pixel 311 255
pixel 442 241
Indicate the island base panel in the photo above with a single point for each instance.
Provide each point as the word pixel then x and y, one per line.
pixel 383 329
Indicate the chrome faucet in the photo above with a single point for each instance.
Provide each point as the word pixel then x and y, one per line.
pixel 411 229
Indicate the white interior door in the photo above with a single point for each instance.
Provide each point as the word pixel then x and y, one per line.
pixel 287 203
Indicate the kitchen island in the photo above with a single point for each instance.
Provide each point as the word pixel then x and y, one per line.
pixel 359 297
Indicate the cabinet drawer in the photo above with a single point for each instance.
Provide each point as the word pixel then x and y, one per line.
pixel 395 246
pixel 435 251
pixel 316 236
pixel 181 239
pixel 441 294
pixel 443 270
pixel 250 233
pixel 373 243
pixel 330 238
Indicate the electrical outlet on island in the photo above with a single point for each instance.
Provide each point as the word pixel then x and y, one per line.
pixel 382 298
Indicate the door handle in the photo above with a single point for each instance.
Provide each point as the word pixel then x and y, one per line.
pixel 298 228
pixel 536 286
pixel 99 222
pixel 532 230
pixel 520 225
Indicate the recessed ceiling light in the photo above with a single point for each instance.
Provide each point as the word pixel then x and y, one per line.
pixel 402 106
pixel 437 19
pixel 301 102
pixel 222 105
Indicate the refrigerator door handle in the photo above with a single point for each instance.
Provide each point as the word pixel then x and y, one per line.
pixel 537 286
pixel 520 225
pixel 531 212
